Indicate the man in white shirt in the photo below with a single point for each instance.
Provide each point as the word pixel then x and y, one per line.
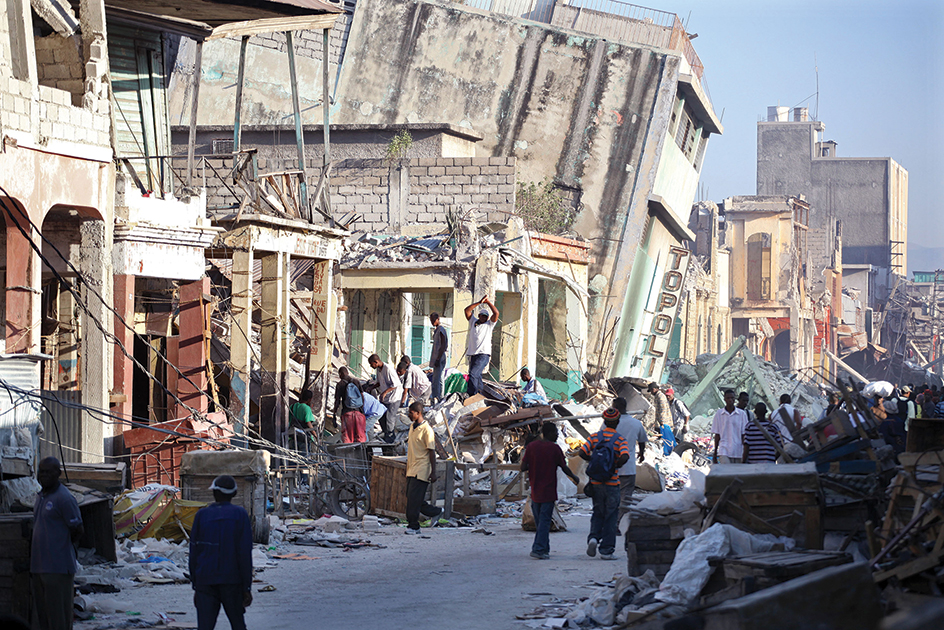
pixel 479 349
pixel 728 429
pixel 786 415
pixel 415 383
pixel 632 430
pixel 390 394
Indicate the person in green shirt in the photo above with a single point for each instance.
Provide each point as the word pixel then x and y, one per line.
pixel 301 414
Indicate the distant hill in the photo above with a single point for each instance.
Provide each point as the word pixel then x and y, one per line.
pixel 921 258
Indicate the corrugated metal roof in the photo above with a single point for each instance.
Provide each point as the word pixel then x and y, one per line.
pixel 63 425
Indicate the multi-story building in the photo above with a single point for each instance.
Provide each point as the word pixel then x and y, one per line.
pixel 869 196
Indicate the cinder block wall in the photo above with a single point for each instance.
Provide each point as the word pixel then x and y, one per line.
pixel 59 65
pixel 394 198
pixel 420 191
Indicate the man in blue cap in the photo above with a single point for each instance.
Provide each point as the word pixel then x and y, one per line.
pixel 221 558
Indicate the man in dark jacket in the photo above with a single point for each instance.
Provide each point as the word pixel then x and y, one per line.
pixel 221 558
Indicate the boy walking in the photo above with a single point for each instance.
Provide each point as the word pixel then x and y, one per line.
pixel 606 450
pixel 541 460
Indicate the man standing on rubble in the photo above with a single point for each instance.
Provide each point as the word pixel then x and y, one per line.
pixel 604 449
pixel 420 469
pixel 727 428
pixel 437 357
pixel 663 416
pixel 632 431
pixel 57 525
pixel 479 349
pixel 221 558
pixel 390 394
pixel 680 415
pixel 541 460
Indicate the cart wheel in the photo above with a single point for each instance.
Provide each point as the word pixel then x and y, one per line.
pixel 351 500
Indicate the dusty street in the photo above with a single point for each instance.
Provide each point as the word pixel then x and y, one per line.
pixel 453 578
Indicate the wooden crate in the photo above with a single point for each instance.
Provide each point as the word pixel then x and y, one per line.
pixel 15 597
pixel 388 485
pixel 774 491
pixel 652 539
pixel 249 469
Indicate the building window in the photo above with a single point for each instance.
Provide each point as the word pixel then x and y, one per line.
pixel 825 151
pixel 758 267
pixel 688 134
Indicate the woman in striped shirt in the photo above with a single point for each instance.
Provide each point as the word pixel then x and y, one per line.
pixel 757 449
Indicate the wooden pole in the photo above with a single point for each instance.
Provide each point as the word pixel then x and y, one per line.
pixel 194 101
pixel 299 133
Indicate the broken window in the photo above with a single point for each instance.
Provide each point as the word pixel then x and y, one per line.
pixel 689 131
pixel 139 97
pixel 551 363
pixel 758 266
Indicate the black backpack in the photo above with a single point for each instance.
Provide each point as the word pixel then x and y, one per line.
pixel 603 458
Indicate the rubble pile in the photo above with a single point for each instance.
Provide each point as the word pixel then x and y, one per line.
pixel 737 375
pixel 370 249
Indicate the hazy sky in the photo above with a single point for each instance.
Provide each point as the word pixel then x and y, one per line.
pixel 881 85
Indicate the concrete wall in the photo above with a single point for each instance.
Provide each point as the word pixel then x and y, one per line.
pixel 514 82
pixel 267 96
pixel 278 145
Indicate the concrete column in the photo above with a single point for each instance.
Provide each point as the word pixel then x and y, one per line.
pixel 192 382
pixel 94 263
pixel 68 368
pixel 123 365
pixel 240 353
pixel 274 351
pixel 323 310
pixel 23 291
pixel 510 345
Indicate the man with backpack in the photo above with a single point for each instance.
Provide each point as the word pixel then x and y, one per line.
pixel 349 400
pixel 606 451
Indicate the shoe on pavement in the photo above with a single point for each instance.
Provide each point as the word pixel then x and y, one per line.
pixel 412 532
pixel 607 556
pixel 592 547
pixel 540 556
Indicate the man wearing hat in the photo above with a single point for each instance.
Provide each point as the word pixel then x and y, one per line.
pixel 221 558
pixel 605 492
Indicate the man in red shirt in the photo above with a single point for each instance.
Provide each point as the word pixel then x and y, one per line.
pixel 541 459
pixel 605 493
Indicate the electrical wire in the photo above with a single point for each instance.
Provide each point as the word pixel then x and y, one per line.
pixel 256 439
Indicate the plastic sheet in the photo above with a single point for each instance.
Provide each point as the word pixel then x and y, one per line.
pixel 690 569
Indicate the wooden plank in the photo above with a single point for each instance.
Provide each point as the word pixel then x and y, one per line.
pixel 272 25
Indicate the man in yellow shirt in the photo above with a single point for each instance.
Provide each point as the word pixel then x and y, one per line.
pixel 420 469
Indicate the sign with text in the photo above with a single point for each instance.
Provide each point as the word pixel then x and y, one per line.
pixel 667 306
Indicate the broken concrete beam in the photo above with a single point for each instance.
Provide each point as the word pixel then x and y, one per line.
pixel 836 597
